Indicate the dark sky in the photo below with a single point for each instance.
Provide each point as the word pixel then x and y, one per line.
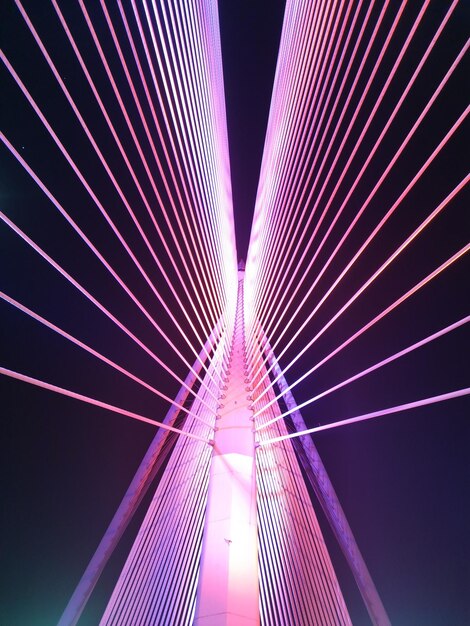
pixel 402 480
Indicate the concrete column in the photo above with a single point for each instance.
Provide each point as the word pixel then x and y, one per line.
pixel 228 590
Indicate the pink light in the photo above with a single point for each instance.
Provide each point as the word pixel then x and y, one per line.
pixel 198 262
pixel 171 130
pixel 380 316
pixel 97 253
pixel 92 299
pixel 343 113
pixel 91 351
pixel 377 143
pixel 82 179
pixel 94 402
pixel 129 166
pixel 367 416
pixel 378 365
pixel 410 185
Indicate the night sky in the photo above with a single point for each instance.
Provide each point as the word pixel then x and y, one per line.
pixel 403 480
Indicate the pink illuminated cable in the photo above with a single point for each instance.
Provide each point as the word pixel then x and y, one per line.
pixel 436 93
pixel 331 169
pixel 171 130
pixel 200 261
pixel 278 189
pixel 377 273
pixel 194 106
pixel 309 105
pixel 150 177
pixel 96 252
pixel 410 185
pixel 194 133
pixel 97 202
pixel 422 283
pixel 351 61
pixel 90 350
pixel 376 366
pixel 298 222
pixel 427 163
pixel 104 405
pixel 193 151
pixel 197 247
pixel 390 212
pixel 92 299
pixel 409 85
pixel 373 36
pixel 369 82
pixel 174 113
pixel 126 159
pixel 202 113
pixel 367 416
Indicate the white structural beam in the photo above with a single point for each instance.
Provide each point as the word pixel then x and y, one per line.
pixel 228 590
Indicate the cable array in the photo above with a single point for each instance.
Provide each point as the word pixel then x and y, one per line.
pixel 297 581
pixel 342 124
pixel 361 169
pixel 158 581
pixel 168 177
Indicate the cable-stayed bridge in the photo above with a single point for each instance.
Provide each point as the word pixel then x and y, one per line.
pixel 121 248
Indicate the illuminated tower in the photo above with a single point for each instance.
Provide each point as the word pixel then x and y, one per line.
pixel 230 537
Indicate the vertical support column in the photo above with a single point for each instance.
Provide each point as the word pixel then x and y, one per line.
pixel 228 591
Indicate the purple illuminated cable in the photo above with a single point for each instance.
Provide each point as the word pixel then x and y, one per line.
pixel 87 348
pixel 458 393
pixel 331 169
pixel 359 38
pixel 142 558
pixel 180 497
pixel 162 537
pixel 422 283
pixel 178 113
pixel 182 204
pixel 376 366
pixel 73 165
pixel 126 159
pixel 410 185
pixel 457 124
pixel 96 252
pixel 104 405
pixel 371 154
pixel 298 113
pixel 91 298
pixel 287 504
pixel 150 177
pixel 171 129
pixel 270 271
